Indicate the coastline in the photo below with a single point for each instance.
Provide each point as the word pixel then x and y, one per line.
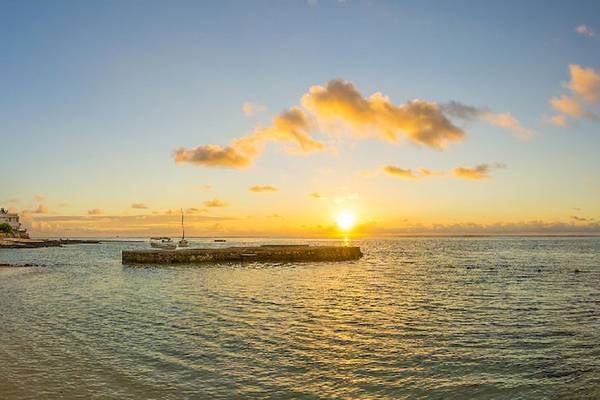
pixel 20 243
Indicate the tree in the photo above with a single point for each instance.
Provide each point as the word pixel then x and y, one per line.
pixel 6 228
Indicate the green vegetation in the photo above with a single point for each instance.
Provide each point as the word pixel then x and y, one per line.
pixel 6 228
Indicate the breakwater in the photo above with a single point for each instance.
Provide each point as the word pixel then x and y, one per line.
pixel 266 253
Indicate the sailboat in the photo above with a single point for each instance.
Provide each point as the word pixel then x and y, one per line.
pixel 183 242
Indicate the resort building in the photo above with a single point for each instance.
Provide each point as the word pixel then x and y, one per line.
pixel 12 219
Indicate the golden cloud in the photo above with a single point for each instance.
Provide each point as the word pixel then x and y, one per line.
pixel 289 128
pixel 212 155
pixel 429 172
pixel 409 173
pixel 315 195
pixel 339 107
pixel 584 82
pixel 139 206
pixel 215 203
pixel 479 172
pixel 262 188
pixel 559 120
pixel 400 172
pixel 503 120
pixel 567 105
pixel 584 87
pixel 418 121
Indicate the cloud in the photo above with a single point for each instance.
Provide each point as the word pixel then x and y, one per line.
pixel 428 172
pixel 479 172
pixel 409 173
pixel 584 88
pixel 418 121
pixel 95 211
pixel 109 225
pixel 400 172
pixel 585 30
pixel 584 82
pixel 194 210
pixel 567 105
pixel 581 219
pixel 534 227
pixel 333 109
pixel 39 198
pixel 559 120
pixel 318 196
pixel 41 209
pixel 250 108
pixel 212 155
pixel 139 206
pixel 503 120
pixel 289 128
pixel 215 203
pixel 262 188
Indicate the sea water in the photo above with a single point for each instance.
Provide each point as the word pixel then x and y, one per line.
pixel 435 318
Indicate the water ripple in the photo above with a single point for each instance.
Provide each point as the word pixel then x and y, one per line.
pixel 432 318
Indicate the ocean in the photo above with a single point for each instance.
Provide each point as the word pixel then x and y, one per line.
pixel 415 318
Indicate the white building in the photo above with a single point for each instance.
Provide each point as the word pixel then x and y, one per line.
pixel 11 219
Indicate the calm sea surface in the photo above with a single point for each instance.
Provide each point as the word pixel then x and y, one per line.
pixel 414 318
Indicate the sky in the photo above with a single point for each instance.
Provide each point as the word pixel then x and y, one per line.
pixel 277 117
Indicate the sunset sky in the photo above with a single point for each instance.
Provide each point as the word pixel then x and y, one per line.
pixel 273 117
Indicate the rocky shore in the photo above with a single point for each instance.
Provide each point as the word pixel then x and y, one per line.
pixel 19 243
pixel 4 265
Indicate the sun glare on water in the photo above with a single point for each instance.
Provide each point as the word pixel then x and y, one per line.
pixel 345 220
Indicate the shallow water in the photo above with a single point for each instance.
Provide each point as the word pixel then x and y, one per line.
pixel 444 318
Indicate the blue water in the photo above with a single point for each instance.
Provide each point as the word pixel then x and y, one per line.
pixel 448 318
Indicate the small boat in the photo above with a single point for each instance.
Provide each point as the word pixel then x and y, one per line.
pixel 165 243
pixel 183 242
pixel 220 240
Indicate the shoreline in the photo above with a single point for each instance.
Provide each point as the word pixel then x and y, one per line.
pixel 20 243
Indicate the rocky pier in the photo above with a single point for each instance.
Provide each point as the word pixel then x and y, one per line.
pixel 274 253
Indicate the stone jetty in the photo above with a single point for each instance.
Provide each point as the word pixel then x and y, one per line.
pixel 266 253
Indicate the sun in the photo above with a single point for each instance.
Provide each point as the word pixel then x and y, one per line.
pixel 345 220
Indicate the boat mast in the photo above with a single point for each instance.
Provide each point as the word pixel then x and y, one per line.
pixel 182 228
